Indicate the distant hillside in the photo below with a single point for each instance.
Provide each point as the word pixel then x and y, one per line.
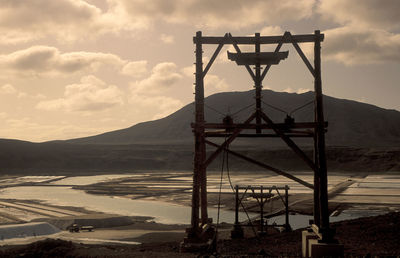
pixel 351 123
pixel 361 137
pixel 51 158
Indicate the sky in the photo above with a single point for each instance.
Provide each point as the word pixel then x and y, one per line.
pixel 74 68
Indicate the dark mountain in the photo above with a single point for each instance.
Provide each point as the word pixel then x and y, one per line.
pixel 361 137
pixel 351 123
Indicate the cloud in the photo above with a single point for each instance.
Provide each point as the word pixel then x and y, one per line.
pixel 149 93
pixel 359 46
pixel 135 69
pixel 7 89
pixel 298 91
pixel 362 13
pixel 160 106
pixel 163 77
pixel 211 13
pixel 212 83
pixel 189 71
pixel 90 95
pixel 26 128
pixel 64 20
pixel 168 39
pixel 39 60
pixel 367 32
pixel 271 31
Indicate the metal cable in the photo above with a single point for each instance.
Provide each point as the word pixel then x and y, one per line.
pixel 240 110
pixel 303 106
pixel 219 202
pixel 233 190
pixel 220 190
pixel 213 109
pixel 273 107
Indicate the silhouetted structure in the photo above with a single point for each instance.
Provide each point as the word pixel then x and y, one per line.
pixel 199 221
pixel 262 195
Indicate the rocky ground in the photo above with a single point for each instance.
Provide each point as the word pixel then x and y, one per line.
pixel 364 237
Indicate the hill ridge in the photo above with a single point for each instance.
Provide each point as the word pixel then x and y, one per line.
pixel 350 122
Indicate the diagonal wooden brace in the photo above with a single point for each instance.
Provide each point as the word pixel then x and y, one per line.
pixel 278 171
pixel 302 55
pixel 266 69
pixel 239 52
pixel 214 56
pixel 235 133
pixel 289 142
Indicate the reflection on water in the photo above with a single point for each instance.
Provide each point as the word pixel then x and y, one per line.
pixel 372 190
pixel 66 196
pixel 297 221
pixel 27 179
pixel 87 180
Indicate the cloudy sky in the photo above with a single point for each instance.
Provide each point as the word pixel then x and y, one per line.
pixel 73 68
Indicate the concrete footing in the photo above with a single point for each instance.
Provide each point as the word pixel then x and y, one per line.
pixel 190 247
pixel 199 240
pixel 325 249
pixel 237 232
pixel 311 247
pixel 306 237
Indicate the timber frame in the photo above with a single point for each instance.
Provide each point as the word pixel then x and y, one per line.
pixel 199 214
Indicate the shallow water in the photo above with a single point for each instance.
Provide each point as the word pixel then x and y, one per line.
pixel 163 212
pixel 297 221
pixel 27 179
pixel 371 190
pixel 87 180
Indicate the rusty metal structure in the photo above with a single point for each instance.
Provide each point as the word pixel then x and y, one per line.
pixel 258 121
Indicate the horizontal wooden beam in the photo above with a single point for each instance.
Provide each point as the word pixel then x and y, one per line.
pixel 264 187
pixel 263 39
pixel 256 135
pixel 228 141
pixel 262 126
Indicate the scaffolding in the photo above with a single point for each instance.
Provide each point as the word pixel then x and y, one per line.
pixel 262 195
pixel 258 121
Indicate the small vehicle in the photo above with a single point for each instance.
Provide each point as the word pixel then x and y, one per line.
pixel 88 228
pixel 76 228
pixel 73 228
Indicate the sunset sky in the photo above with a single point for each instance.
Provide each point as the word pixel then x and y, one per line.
pixel 73 68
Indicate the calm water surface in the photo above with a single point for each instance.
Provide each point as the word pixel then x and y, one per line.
pixel 371 189
pixel 66 196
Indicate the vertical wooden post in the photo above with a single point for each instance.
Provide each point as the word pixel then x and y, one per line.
pixel 237 231
pixel 198 134
pixel 261 211
pixel 316 207
pixel 257 84
pixel 287 225
pixel 202 145
pixel 320 143
pixel 236 205
pixel 316 211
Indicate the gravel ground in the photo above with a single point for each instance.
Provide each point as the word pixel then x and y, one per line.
pixel 365 237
